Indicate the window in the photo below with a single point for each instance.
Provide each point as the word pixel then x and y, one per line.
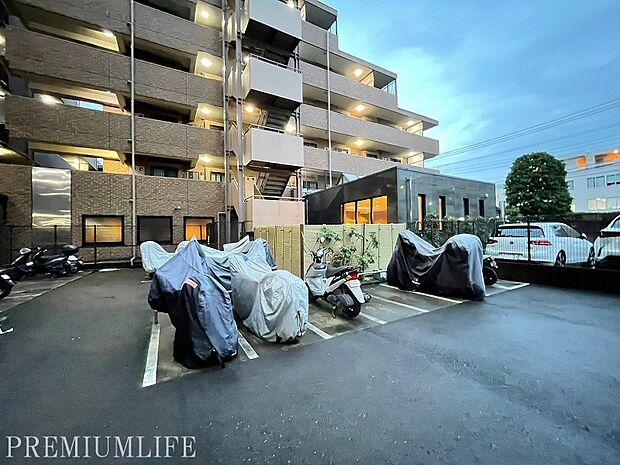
pixel 570 184
pixel 559 231
pixel 442 206
pixel 198 227
pixel 165 172
pixel 102 229
pixel 465 206
pixel 600 181
pixel 590 183
pixel 613 203
pixel 597 204
pixel 421 210
pixel 216 176
pixel 311 185
pixel 570 232
pixel 481 207
pixel 155 228
pixel 379 210
pixel 613 179
pixel 363 211
pixel 519 231
pixel 348 216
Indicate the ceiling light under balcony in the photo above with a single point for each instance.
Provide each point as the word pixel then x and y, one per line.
pixel 290 4
pixel 290 127
pixel 206 111
pixel 410 123
pixel 360 108
pixel 204 14
pixel 358 72
pixel 49 100
pixel 249 109
pixel 616 151
pixel 108 34
pixel 204 158
pixel 359 142
pixel 206 62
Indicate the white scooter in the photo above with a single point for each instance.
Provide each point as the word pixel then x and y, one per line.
pixel 337 285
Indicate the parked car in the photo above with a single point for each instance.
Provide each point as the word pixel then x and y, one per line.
pixel 607 245
pixel 555 243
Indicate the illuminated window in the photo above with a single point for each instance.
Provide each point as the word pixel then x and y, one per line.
pixel 200 228
pixel 348 216
pixel 379 210
pixel 102 229
pixel 363 211
pixel 421 210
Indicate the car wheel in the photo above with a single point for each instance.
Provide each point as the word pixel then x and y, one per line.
pixel 591 259
pixel 560 260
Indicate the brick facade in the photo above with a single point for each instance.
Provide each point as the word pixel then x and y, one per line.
pixel 16 184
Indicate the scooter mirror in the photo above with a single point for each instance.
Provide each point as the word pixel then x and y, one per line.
pixel 322 239
pixel 24 250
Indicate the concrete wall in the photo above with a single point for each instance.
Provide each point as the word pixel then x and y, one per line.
pixel 272 79
pixel 43 55
pixel 273 148
pixel 94 193
pixel 316 117
pixel 30 119
pixel 152 25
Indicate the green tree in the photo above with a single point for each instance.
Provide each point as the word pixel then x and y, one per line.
pixel 536 187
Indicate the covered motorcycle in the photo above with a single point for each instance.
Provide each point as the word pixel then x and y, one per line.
pixel 199 307
pixel 271 304
pixel 455 268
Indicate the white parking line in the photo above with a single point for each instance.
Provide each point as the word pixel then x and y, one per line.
pixel 106 270
pixel 318 331
pixel 372 318
pixel 417 309
pixel 454 301
pixel 150 369
pixel 511 288
pixel 247 348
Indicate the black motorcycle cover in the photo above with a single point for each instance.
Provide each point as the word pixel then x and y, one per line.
pixel 452 269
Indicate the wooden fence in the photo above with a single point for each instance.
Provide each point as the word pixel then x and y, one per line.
pixel 291 244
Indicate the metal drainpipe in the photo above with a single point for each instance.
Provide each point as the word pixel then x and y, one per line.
pixel 329 117
pixel 240 147
pixel 226 127
pixel 134 232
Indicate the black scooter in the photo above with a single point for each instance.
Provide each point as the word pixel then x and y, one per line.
pixel 6 285
pixel 57 265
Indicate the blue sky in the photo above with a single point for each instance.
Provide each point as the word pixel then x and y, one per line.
pixel 487 68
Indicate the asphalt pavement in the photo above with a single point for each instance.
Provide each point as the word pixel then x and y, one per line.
pixel 527 376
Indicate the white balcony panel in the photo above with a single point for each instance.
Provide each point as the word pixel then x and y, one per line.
pixel 264 147
pixel 263 212
pixel 269 78
pixel 276 15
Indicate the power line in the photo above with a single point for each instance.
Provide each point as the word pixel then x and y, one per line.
pixel 569 136
pixel 605 106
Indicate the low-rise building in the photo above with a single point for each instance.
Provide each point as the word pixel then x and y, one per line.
pixel 594 182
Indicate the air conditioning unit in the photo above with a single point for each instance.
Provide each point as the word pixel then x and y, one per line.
pixel 140 170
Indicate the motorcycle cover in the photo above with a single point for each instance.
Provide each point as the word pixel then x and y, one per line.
pixel 452 269
pixel 271 304
pixel 205 313
pixel 154 256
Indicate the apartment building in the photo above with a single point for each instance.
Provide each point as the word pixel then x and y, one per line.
pixel 155 119
pixel 594 182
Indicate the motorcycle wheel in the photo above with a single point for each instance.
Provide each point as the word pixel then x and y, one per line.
pixel 490 276
pixel 352 312
pixel 5 292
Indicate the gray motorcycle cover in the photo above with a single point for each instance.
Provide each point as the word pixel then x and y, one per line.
pixel 452 269
pixel 213 307
pixel 271 304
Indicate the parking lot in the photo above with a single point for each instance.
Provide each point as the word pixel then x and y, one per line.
pixel 388 304
pixel 530 375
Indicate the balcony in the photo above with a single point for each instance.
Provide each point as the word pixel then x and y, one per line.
pixel 272 22
pixel 152 25
pixel 262 212
pixel 59 124
pixel 267 83
pixel 269 148
pixel 42 55
pixel 348 130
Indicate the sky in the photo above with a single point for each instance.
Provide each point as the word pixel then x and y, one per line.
pixel 484 69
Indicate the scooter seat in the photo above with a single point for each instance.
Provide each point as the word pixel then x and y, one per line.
pixel 334 270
